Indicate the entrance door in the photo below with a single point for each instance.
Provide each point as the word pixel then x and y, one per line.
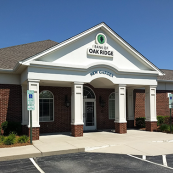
pixel 89 115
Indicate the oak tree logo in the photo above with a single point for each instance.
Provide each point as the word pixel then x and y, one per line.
pixel 101 39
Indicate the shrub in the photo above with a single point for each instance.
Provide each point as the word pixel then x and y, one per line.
pixel 23 139
pixel 11 139
pixel 9 127
pixel 169 130
pixel 160 120
pixel 140 122
pixel 164 127
pixel 2 138
pixel 167 119
pixel 4 125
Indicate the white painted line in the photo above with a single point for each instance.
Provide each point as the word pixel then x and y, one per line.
pixel 150 162
pixel 35 164
pixel 143 157
pixel 164 160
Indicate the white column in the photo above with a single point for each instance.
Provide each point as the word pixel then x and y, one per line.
pixel 130 104
pixel 120 104
pixel 25 113
pixel 150 103
pixel 77 104
pixel 34 85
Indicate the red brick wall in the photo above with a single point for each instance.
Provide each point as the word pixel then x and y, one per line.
pixel 10 103
pixel 77 130
pixel 162 103
pixel 62 114
pixel 102 114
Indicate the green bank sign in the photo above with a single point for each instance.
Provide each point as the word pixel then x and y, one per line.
pixel 100 48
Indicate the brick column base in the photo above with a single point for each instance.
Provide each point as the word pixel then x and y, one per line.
pixel 77 130
pixel 130 123
pixel 121 128
pixel 151 126
pixel 35 132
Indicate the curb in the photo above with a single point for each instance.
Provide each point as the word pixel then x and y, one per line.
pixel 40 154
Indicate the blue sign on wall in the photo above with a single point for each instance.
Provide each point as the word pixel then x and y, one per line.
pixel 101 72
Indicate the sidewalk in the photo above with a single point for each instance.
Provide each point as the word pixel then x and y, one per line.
pixel 135 142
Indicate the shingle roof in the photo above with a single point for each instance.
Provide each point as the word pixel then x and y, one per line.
pixel 168 75
pixel 9 56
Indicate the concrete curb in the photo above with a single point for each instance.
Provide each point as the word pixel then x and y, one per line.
pixel 41 154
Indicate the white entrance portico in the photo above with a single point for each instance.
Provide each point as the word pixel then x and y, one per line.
pixel 100 58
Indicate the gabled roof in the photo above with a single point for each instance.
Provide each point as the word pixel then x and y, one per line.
pixel 168 75
pixel 9 56
pixel 99 26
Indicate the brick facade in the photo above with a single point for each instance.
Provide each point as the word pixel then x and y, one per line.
pixel 121 128
pixel 150 126
pixel 10 103
pixel 11 107
pixel 77 130
pixel 35 132
pixel 162 103
pixel 62 114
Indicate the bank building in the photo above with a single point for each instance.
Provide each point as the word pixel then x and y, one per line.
pixel 92 81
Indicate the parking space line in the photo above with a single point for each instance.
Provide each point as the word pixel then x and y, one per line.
pixel 35 164
pixel 164 160
pixel 150 162
pixel 144 157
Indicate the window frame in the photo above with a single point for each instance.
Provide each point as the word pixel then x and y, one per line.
pixel 91 90
pixel 42 110
pixel 109 105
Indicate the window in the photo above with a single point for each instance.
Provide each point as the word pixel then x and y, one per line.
pixel 88 93
pixel 46 102
pixel 112 106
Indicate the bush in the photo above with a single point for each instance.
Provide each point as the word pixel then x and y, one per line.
pixel 160 120
pixel 140 122
pixel 11 139
pixel 4 125
pixel 10 127
pixel 167 119
pixel 2 138
pixel 164 127
pixel 23 139
pixel 169 130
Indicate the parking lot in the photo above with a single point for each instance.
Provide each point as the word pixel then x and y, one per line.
pixel 89 162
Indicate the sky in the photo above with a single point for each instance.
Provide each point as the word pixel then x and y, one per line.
pixel 146 24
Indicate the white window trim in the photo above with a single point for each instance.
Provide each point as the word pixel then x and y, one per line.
pixel 53 106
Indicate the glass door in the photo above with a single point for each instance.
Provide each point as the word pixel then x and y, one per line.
pixel 89 115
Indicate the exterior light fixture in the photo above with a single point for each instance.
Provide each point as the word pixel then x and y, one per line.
pixel 67 103
pixel 102 102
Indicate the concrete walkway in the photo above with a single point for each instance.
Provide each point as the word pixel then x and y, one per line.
pixel 135 142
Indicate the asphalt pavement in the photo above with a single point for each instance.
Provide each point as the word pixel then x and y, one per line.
pixel 89 162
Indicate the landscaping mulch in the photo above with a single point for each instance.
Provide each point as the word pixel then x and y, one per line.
pixel 14 145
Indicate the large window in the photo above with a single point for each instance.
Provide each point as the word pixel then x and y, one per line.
pixel 46 106
pixel 112 106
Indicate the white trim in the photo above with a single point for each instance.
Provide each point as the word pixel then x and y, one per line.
pixel 86 67
pixel 92 91
pixel 95 122
pixel 101 25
